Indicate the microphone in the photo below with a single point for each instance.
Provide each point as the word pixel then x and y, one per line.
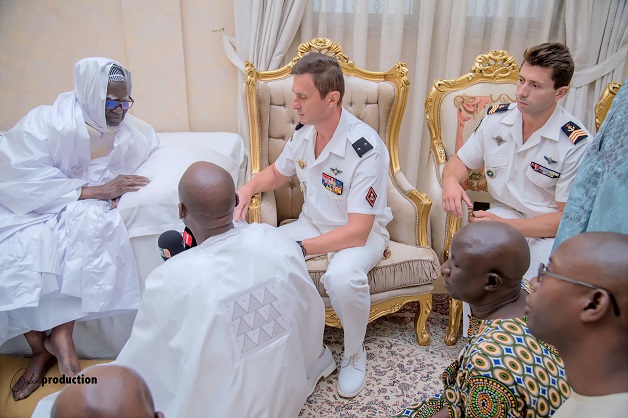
pixel 170 244
pixel 188 239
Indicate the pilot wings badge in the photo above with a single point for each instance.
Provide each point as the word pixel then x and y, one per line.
pixel 499 140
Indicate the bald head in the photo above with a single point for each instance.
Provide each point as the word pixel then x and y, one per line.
pixel 486 263
pixel 597 258
pixel 587 279
pixel 497 247
pixel 114 391
pixel 207 199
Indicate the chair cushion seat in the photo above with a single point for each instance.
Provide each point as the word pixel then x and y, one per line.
pixel 407 266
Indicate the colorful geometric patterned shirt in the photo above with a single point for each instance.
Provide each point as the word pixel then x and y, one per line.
pixel 503 371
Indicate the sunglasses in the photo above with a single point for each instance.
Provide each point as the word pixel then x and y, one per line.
pixel 113 104
pixel 544 271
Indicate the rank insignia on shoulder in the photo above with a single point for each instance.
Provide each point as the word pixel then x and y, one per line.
pixel 476 128
pixel 362 146
pixel 544 170
pixel 299 126
pixel 498 108
pixel 371 197
pixel 574 132
pixel 332 184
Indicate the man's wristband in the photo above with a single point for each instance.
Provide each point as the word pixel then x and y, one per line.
pixel 302 247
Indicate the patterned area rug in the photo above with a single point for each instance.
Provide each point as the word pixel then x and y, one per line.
pixel 399 371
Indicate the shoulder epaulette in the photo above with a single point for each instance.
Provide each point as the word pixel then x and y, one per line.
pixel 362 146
pixel 476 128
pixel 498 108
pixel 574 132
pixel 296 128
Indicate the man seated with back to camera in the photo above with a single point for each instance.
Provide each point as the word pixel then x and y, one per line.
pixel 233 325
pixel 503 370
pixel 587 277
pixel 530 152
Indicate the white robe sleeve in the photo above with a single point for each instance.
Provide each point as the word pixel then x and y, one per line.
pixel 31 178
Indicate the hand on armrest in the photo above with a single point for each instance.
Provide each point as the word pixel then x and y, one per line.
pixel 454 175
pixel 268 179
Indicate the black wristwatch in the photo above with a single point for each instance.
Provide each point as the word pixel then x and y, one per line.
pixel 302 247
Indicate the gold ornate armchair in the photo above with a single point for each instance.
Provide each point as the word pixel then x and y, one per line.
pixel 604 103
pixel 454 109
pixel 379 99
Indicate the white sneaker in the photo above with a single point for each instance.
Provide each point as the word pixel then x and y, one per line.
pixel 323 367
pixel 352 377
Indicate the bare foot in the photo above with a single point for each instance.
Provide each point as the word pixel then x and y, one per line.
pixel 60 344
pixel 31 378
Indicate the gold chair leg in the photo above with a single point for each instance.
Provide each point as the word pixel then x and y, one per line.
pixel 420 319
pixel 455 316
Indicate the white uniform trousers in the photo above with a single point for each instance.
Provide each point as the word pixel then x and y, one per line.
pixel 540 250
pixel 346 281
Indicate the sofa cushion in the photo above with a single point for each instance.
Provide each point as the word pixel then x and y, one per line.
pixel 153 209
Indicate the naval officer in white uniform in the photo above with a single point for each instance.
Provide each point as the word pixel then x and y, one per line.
pixel 530 151
pixel 342 165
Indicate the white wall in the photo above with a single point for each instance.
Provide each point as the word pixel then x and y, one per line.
pixel 182 80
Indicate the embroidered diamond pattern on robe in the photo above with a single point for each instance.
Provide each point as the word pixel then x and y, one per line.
pixel 256 317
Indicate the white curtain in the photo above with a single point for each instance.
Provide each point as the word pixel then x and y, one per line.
pixel 264 31
pixel 597 34
pixel 441 38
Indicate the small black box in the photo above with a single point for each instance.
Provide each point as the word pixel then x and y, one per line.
pixel 481 206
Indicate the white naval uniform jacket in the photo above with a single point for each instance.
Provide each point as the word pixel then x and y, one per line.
pixel 528 177
pixel 349 176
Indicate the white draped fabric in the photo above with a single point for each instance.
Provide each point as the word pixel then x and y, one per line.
pixel 264 31
pixel 64 259
pixel 232 327
pixel 597 33
pixel 441 38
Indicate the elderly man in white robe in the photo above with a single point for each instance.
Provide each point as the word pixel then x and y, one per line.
pixel 233 326
pixel 64 251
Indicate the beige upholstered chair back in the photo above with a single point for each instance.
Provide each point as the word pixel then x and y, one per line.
pixel 454 109
pixel 604 103
pixel 377 98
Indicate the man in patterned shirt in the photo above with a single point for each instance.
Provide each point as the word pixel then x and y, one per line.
pixel 503 371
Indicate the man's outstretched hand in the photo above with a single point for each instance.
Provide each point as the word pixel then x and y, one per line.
pixel 244 199
pixel 122 184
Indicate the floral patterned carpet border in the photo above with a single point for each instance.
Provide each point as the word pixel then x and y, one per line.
pixel 399 372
